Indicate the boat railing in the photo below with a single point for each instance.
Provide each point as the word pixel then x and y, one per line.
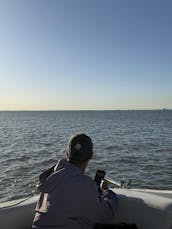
pixel 122 183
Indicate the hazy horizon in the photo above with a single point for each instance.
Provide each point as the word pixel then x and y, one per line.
pixel 158 109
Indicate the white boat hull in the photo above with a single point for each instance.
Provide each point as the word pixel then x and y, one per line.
pixel 148 209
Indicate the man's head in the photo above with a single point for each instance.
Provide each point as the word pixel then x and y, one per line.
pixel 79 148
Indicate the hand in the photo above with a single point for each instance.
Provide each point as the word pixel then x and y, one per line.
pixel 104 185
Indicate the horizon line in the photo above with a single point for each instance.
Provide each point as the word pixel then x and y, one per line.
pixel 46 110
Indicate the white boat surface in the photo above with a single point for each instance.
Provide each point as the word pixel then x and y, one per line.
pixel 147 208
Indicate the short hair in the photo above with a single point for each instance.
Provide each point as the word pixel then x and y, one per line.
pixel 79 148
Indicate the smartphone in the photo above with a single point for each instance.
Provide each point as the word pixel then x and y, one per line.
pixel 100 174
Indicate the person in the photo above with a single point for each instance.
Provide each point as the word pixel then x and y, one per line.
pixel 69 199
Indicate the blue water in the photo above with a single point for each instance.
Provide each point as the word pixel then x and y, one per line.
pixel 133 144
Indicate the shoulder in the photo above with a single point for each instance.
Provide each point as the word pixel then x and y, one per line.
pixel 87 179
pixel 86 183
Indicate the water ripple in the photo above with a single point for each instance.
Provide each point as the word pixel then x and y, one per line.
pixel 134 144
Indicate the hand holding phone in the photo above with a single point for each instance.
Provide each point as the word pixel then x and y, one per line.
pixel 104 185
pixel 100 174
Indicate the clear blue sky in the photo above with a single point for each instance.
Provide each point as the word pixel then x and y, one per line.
pixel 92 54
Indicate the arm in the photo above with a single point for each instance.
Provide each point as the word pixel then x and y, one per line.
pixel 99 208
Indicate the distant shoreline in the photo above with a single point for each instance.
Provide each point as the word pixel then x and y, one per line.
pixel 164 109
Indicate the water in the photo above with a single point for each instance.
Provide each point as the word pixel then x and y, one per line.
pixel 133 144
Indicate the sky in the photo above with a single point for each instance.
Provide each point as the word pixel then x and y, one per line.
pixel 85 54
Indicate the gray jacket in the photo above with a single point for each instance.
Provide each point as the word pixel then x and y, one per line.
pixel 70 200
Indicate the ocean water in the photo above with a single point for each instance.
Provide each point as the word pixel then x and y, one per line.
pixel 132 144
